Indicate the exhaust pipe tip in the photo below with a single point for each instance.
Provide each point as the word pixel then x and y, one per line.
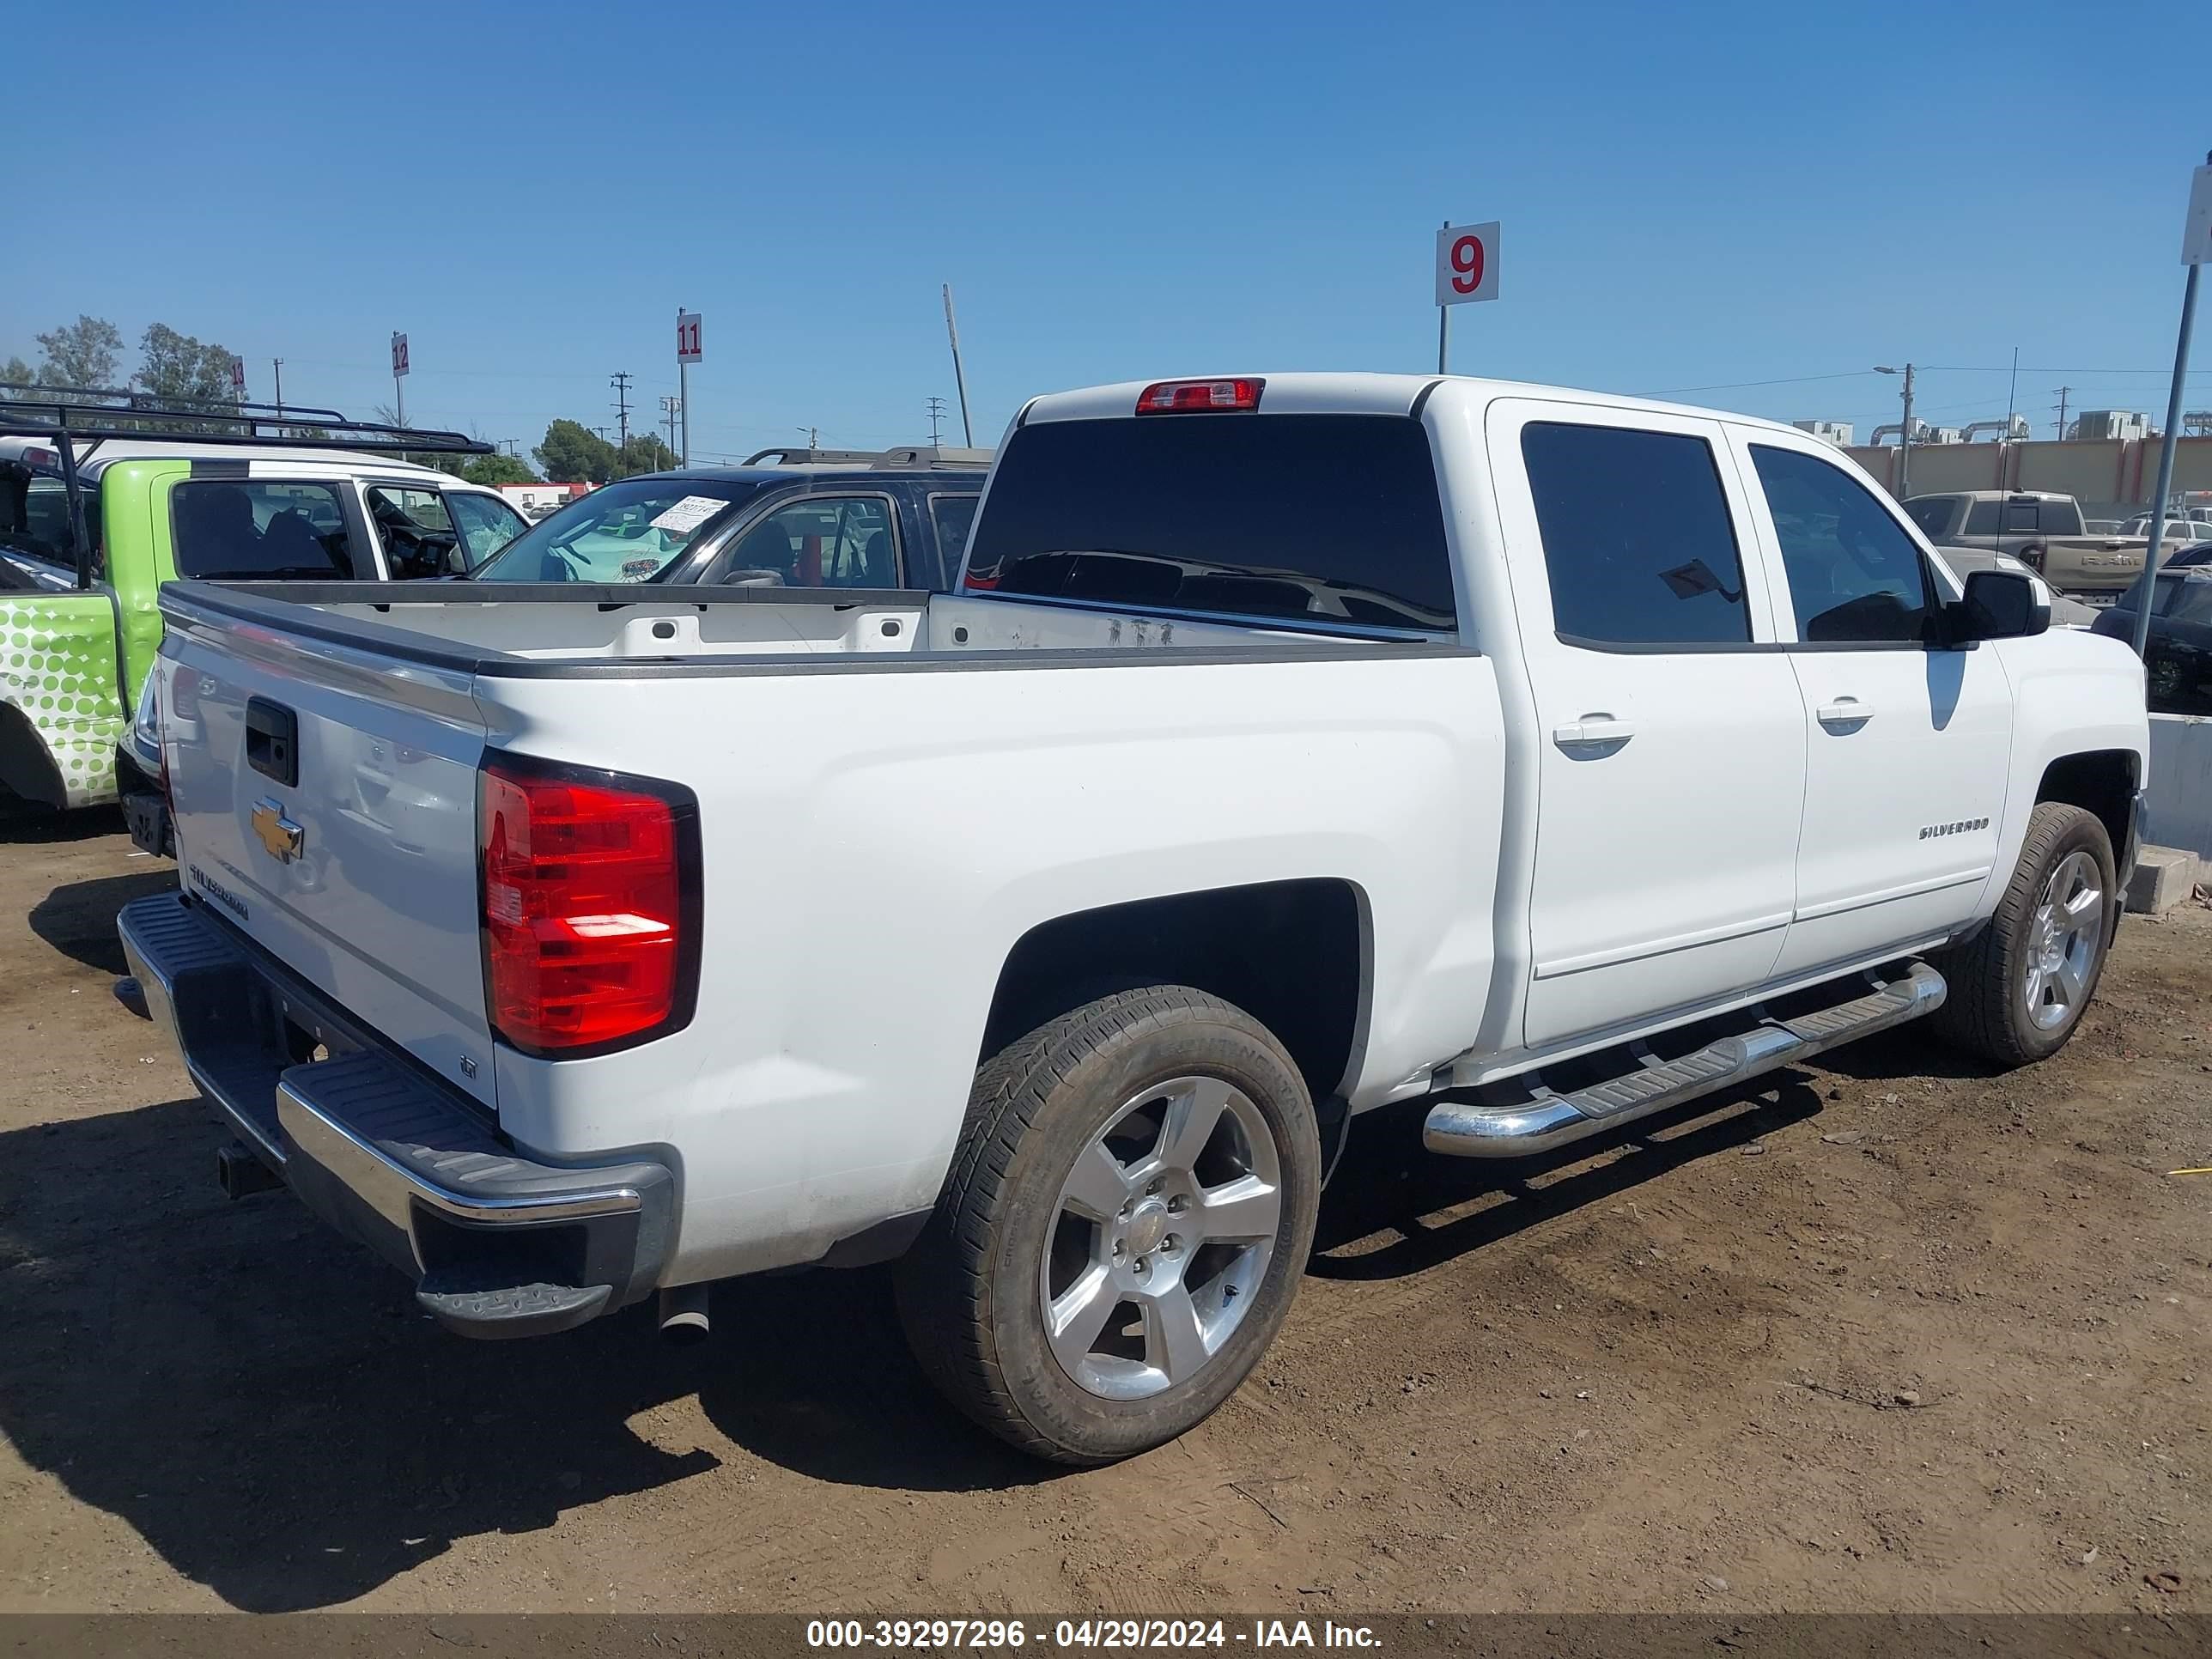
pixel 683 1319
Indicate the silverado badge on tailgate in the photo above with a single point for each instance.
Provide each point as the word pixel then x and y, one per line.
pixel 279 836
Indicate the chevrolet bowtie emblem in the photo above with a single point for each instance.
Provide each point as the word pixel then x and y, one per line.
pixel 279 836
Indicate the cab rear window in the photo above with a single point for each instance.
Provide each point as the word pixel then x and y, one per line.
pixel 1324 517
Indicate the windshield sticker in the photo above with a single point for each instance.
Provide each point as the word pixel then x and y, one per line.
pixel 688 513
pixel 636 570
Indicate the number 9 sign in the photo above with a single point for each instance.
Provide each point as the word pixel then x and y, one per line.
pixel 1467 264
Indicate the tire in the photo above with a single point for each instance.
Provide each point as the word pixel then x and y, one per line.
pixel 2006 1005
pixel 1027 1226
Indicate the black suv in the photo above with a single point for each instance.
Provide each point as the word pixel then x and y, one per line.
pixel 801 517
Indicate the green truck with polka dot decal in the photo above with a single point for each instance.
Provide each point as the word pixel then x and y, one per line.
pixel 96 513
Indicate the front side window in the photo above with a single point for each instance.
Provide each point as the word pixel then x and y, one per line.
pixel 1855 576
pixel 417 531
pixel 259 530
pixel 824 541
pixel 1637 540
pixel 627 532
pixel 486 524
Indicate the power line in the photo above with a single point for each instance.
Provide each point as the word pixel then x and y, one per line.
pixel 1738 386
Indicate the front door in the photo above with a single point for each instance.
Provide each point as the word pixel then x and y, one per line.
pixel 1909 742
pixel 1672 746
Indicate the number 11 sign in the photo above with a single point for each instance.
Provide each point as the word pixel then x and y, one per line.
pixel 1467 264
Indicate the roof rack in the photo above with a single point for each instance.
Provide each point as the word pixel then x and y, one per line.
pixel 99 413
pixel 92 414
pixel 907 456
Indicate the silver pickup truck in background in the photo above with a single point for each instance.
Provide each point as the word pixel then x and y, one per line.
pixel 2045 531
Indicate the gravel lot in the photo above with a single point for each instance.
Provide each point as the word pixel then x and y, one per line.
pixel 1884 1335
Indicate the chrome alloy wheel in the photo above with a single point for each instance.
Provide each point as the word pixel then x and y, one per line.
pixel 2062 941
pixel 1160 1238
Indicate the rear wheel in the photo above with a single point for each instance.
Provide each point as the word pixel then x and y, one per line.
pixel 2019 988
pixel 1123 1228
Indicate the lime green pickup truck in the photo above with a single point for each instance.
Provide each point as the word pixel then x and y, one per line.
pixel 99 508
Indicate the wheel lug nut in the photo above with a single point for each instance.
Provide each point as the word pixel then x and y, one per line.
pixel 1143 1266
pixel 1120 1249
pixel 1153 1186
pixel 1170 1244
pixel 1178 1203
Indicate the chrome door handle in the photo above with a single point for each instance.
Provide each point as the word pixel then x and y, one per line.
pixel 1845 711
pixel 1592 729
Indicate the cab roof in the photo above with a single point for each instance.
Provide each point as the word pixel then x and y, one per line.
pixel 1361 393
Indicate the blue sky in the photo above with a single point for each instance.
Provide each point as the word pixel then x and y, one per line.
pixel 1694 195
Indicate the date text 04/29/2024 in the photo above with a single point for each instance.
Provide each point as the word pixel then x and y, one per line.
pixel 1088 1634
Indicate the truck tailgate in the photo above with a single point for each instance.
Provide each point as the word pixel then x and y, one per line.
pixel 325 804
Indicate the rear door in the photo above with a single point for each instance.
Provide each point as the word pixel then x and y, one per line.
pixel 228 527
pixel 1672 774
pixel 1909 741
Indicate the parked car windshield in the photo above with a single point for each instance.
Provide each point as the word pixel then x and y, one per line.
pixel 626 532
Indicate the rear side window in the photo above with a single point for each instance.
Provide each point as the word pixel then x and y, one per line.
pixel 1319 516
pixel 954 517
pixel 1855 576
pixel 1933 515
pixel 259 530
pixel 34 514
pixel 1637 540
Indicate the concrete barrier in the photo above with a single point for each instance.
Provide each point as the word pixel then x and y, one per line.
pixel 2179 807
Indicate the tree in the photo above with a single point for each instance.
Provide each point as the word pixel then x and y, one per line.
pixel 495 469
pixel 174 365
pixel 572 454
pixel 81 353
pixel 15 372
pixel 643 453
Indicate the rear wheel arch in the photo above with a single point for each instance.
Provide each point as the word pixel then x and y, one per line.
pixel 1296 955
pixel 27 767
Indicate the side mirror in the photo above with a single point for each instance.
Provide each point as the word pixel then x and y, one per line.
pixel 1999 605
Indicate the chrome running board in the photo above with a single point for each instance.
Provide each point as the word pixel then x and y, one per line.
pixel 1476 1128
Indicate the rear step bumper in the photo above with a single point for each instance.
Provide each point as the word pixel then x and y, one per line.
pixel 498 1245
pixel 1473 1129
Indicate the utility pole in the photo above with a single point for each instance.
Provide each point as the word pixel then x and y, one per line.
pixel 278 364
pixel 959 379
pixel 2196 250
pixel 621 384
pixel 1904 437
pixel 936 416
pixel 813 437
pixel 670 408
pixel 2065 393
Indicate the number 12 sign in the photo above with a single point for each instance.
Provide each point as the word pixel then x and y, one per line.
pixel 1467 264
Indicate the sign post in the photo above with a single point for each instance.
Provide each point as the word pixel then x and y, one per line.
pixel 688 352
pixel 2196 251
pixel 1467 270
pixel 400 376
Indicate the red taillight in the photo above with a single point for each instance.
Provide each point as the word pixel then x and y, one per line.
pixel 590 917
pixel 1189 397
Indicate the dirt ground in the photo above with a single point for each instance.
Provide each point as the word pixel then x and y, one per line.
pixel 1889 1336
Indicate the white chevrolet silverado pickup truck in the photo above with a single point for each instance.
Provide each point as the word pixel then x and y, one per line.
pixel 1293 746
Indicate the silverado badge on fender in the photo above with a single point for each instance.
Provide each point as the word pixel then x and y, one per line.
pixel 279 836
